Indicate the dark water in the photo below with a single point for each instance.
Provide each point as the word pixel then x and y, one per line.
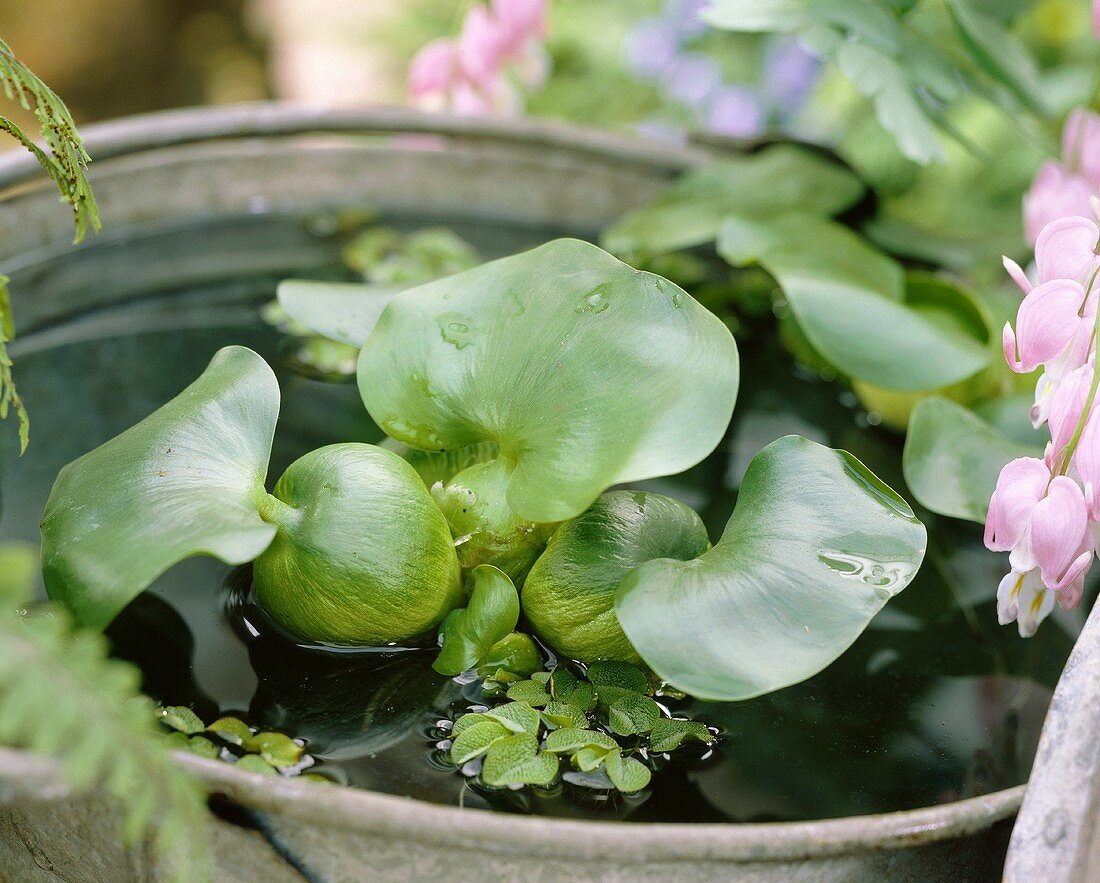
pixel 934 703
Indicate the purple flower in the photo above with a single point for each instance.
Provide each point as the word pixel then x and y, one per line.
pixel 789 74
pixel 650 47
pixel 692 79
pixel 683 17
pixel 736 112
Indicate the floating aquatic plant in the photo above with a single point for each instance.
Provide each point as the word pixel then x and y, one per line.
pixel 525 388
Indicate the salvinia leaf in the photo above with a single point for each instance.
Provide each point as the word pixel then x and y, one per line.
pixel 62 696
pixel 626 773
pixel 470 632
pixel 815 548
pixel 517 760
pixel 853 304
pixel 341 311
pixel 777 179
pixel 952 458
pixel 185 481
pixel 519 350
pixel 668 734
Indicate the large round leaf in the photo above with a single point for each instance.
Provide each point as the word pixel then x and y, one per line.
pixel 187 480
pixel 583 370
pixel 953 458
pixel 853 305
pixel 816 546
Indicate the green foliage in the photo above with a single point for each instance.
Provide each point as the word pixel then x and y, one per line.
pixel 552 354
pixel 856 307
pixel 814 549
pixel 774 180
pixel 553 715
pixel 470 633
pixel 187 480
pixel 909 61
pixel 9 398
pixel 64 159
pixel 953 457
pixel 60 695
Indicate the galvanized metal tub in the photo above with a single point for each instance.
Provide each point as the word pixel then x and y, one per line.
pixel 531 181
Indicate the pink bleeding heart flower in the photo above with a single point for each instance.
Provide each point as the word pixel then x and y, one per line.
pixel 482 47
pixel 1020 486
pixel 521 21
pixel 1086 461
pixel 1065 249
pixel 1022 598
pixel 1053 328
pixel 1055 193
pixel 1081 145
pixel 1056 538
pixel 432 74
pixel 1067 404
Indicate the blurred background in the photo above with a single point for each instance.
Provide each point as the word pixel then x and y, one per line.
pixel 647 66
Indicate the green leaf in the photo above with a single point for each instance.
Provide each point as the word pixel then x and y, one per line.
pixel 777 179
pixel 569 595
pixel 516 653
pixel 880 78
pixel 633 715
pixel 341 311
pixel 203 747
pixel 182 719
pixel 621 675
pixel 516 760
pixel 531 692
pixel 626 773
pixel 277 749
pixel 852 305
pixel 591 758
pixel 253 763
pixel 668 735
pixel 362 557
pixel 433 466
pixel 953 457
pixel 756 16
pixel 563 714
pixel 185 481
pixel 233 730
pixel 9 398
pixel 582 696
pixel 65 160
pixel 518 717
pixel 585 371
pixel 475 739
pixel 470 632
pixel 999 54
pixel 467 720
pixel 569 740
pixel 815 548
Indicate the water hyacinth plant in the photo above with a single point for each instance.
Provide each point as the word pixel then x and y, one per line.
pixel 520 392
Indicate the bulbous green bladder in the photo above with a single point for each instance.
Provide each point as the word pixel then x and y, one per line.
pixel 569 595
pixel 362 556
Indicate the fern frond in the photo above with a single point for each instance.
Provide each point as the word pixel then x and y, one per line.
pixel 9 398
pixel 61 695
pixel 65 159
